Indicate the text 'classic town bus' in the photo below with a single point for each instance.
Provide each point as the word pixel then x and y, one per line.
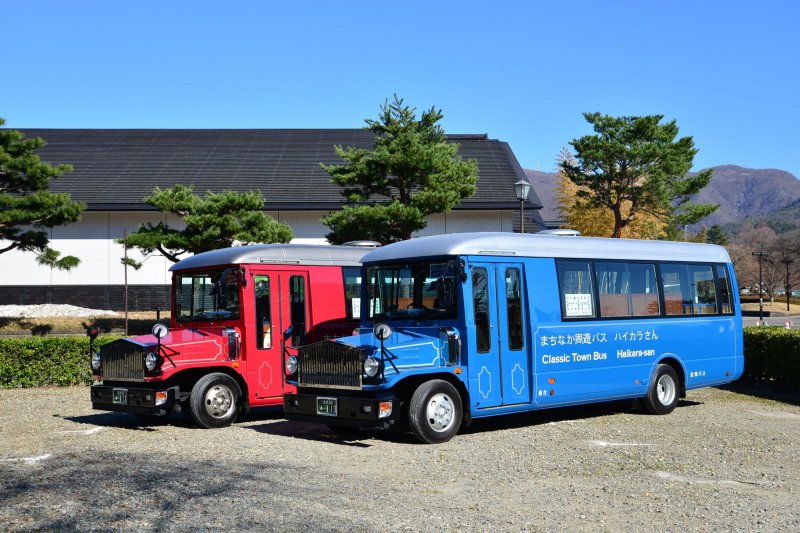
pixel 234 312
pixel 463 326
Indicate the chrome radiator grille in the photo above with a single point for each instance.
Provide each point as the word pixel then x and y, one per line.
pixel 331 365
pixel 123 360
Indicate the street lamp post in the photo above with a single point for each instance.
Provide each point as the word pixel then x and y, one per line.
pixel 787 262
pixel 522 189
pixel 760 256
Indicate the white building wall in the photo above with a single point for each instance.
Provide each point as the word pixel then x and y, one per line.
pixel 92 240
pixel 468 221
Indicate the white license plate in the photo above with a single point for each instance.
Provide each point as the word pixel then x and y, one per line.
pixel 326 406
pixel 120 396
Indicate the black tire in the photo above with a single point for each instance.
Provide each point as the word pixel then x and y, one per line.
pixel 214 401
pixel 435 411
pixel 662 394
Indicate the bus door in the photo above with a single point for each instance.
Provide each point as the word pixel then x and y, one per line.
pixel 499 368
pixel 281 318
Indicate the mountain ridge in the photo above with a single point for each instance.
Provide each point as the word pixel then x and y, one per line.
pixel 742 193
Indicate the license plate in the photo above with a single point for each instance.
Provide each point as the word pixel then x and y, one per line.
pixel 120 396
pixel 326 406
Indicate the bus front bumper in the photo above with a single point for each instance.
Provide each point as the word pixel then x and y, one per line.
pixel 369 413
pixel 136 400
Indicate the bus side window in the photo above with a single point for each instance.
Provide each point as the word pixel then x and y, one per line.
pixel 704 289
pixel 725 302
pixel 689 289
pixel 480 304
pixel 263 319
pixel 297 293
pixel 352 292
pixel 644 289
pixel 575 286
pixel 627 289
pixel 516 340
pixel 613 288
pixel 676 290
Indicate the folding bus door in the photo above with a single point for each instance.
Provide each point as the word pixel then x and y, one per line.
pixel 281 316
pixel 499 364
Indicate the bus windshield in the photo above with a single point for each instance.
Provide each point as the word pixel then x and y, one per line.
pixel 415 290
pixel 208 295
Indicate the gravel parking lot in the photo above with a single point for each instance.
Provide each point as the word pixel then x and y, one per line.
pixel 722 461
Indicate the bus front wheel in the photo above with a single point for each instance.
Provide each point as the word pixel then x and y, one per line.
pixel 214 401
pixel 662 395
pixel 435 411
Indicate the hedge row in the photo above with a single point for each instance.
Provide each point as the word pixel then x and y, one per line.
pixel 46 361
pixel 770 354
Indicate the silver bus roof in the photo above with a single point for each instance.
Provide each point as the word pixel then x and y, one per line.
pixel 289 254
pixel 538 245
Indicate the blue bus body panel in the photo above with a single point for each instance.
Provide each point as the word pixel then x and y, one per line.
pixel 615 359
pixel 413 350
pixel 566 363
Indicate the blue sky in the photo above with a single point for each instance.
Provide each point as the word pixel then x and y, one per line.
pixel 520 71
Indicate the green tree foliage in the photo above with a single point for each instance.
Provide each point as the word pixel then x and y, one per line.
pixel 27 208
pixel 634 165
pixel 716 235
pixel 411 173
pixel 599 221
pixel 217 220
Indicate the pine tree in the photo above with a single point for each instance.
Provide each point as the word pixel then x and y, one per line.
pixel 716 235
pixel 635 165
pixel 27 208
pixel 218 220
pixel 412 172
pixel 594 221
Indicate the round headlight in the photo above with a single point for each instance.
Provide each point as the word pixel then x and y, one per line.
pixel 151 361
pixel 96 361
pixel 291 364
pixel 371 367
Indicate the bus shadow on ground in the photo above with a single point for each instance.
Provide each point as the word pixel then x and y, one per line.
pixel 316 432
pixel 403 435
pixel 562 414
pixel 769 390
pixel 176 419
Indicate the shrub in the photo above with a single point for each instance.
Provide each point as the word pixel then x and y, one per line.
pixel 772 354
pixel 46 361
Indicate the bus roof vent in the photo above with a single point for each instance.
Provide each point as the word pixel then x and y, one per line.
pixel 561 232
pixel 363 244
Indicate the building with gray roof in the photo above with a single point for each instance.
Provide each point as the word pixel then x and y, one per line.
pixel 115 169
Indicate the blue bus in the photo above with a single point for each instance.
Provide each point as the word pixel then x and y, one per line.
pixel 463 326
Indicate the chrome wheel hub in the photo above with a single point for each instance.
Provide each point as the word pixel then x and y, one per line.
pixel 440 412
pixel 665 388
pixel 219 401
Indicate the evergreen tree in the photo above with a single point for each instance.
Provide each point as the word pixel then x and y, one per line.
pixel 716 235
pixel 599 221
pixel 634 165
pixel 27 208
pixel 218 220
pixel 411 173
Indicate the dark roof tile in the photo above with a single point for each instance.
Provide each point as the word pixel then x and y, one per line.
pixel 117 168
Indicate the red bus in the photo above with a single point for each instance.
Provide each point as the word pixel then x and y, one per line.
pixel 236 313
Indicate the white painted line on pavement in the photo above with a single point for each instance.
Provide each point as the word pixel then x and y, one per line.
pixel 611 444
pixel 28 460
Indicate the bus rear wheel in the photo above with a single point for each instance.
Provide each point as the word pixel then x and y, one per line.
pixel 214 401
pixel 435 411
pixel 662 395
